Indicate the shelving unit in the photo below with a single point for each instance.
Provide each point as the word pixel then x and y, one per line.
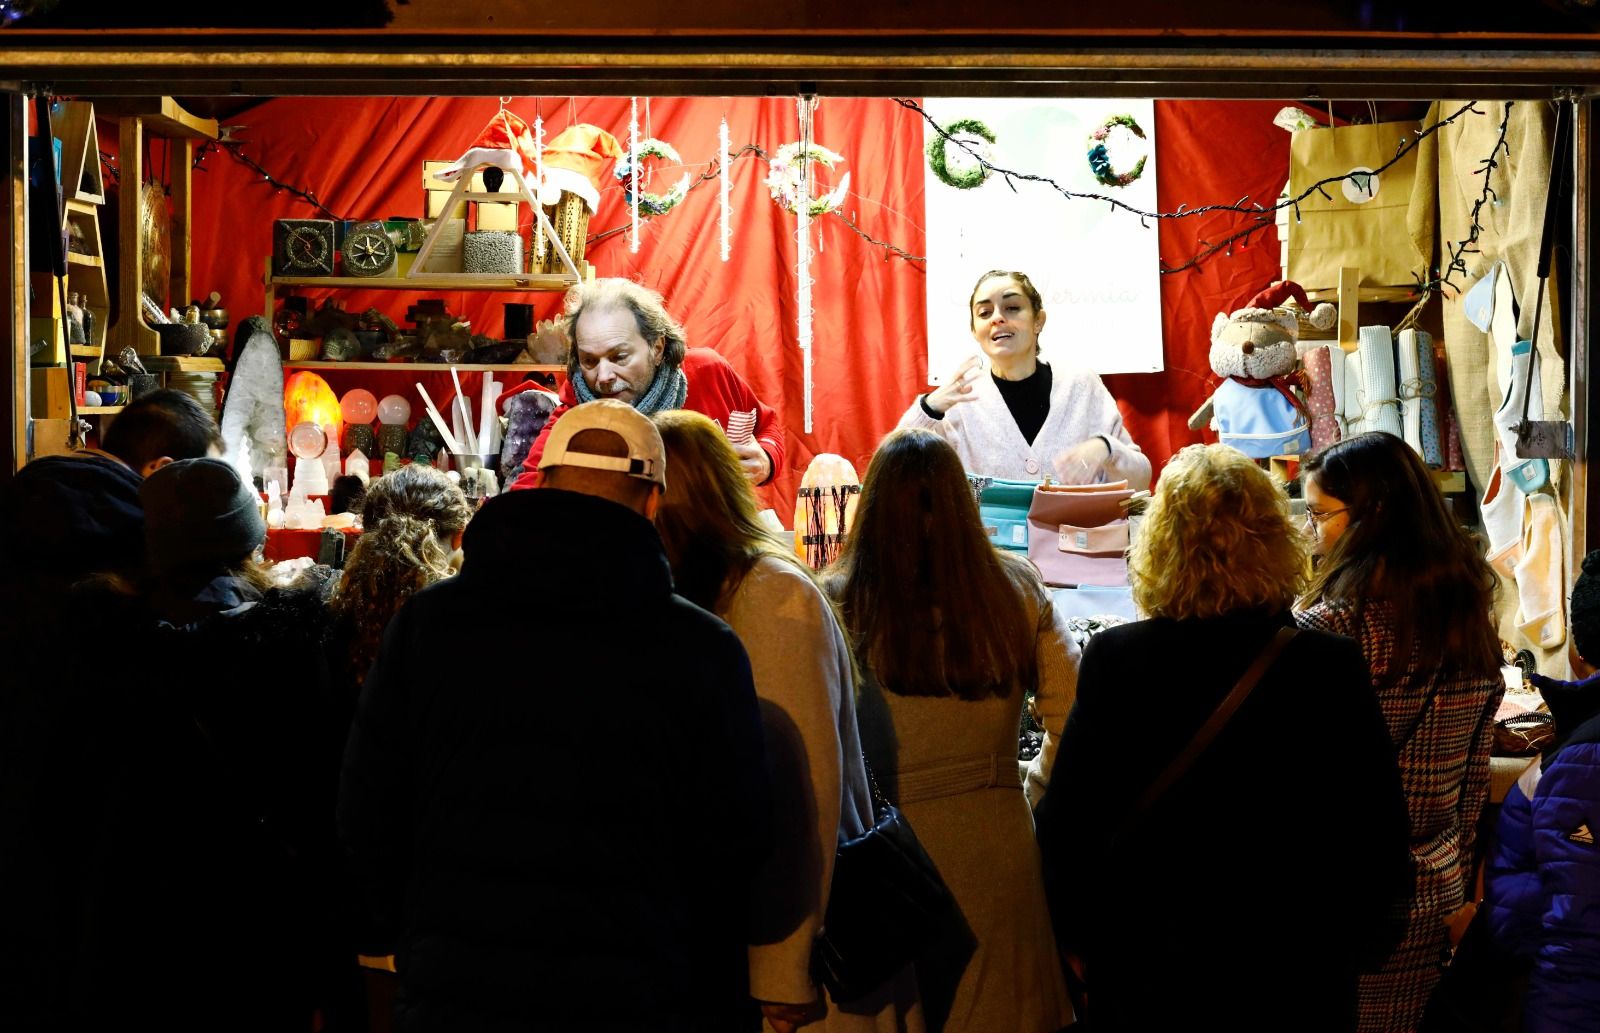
pixel 428 367
pixel 141 117
pixel 529 283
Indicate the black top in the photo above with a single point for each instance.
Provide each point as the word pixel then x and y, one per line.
pixel 1298 804
pixel 1028 399
pixel 511 864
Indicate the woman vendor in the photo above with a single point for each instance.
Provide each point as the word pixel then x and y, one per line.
pixel 1027 420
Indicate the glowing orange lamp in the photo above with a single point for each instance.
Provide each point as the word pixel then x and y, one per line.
pixel 307 397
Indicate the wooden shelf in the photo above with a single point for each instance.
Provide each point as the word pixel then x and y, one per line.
pixel 437 367
pixel 1368 294
pixel 99 410
pixel 75 258
pixel 433 282
pixel 85 351
pixel 163 115
pixel 1450 482
pixel 181 364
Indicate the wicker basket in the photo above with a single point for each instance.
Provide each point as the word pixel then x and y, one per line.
pixel 571 220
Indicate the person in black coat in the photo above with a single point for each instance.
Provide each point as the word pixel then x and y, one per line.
pixel 185 815
pixel 1250 894
pixel 553 792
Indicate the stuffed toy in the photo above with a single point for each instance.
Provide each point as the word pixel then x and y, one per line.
pixel 1260 407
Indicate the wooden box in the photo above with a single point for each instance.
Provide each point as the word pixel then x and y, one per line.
pixel 495 216
pixel 48 391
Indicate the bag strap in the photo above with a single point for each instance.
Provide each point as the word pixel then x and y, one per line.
pixel 1560 144
pixel 1214 724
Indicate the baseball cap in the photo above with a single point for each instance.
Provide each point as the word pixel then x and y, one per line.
pixel 646 458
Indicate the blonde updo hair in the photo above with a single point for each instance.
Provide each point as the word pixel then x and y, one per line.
pixel 411 518
pixel 1217 539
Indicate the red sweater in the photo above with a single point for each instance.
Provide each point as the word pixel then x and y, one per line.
pixel 715 390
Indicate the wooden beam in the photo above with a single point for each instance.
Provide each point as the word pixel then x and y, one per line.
pixel 162 116
pixel 15 277
pixel 129 330
pixel 1349 308
pixel 182 173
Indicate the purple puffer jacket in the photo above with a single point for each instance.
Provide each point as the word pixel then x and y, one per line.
pixel 1542 890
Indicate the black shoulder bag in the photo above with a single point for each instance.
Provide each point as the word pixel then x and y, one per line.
pixel 888 903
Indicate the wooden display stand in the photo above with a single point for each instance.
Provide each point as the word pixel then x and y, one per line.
pixel 83 192
pixel 162 117
pixel 469 188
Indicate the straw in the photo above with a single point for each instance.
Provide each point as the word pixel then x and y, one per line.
pixel 466 414
pixel 438 421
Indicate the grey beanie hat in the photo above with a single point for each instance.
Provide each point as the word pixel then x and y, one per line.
pixel 199 512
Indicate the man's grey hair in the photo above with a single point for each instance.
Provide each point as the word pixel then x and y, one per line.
pixel 648 310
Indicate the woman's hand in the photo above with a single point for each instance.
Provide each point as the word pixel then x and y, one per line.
pixel 1083 462
pixel 957 387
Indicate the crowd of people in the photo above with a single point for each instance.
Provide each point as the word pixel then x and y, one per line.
pixel 583 759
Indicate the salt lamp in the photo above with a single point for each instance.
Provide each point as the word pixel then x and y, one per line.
pixel 307 398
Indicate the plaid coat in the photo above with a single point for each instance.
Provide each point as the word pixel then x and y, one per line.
pixel 1444 767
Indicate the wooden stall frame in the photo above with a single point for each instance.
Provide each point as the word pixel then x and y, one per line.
pixel 1341 65
pixel 159 116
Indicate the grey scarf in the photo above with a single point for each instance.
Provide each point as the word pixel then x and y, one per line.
pixel 667 391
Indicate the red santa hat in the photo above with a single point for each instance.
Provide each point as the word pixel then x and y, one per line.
pixel 1267 306
pixel 574 160
pixel 506 143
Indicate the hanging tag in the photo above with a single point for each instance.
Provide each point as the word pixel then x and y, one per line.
pixel 1545 439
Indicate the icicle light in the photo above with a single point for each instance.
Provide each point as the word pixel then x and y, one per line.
pixel 725 223
pixel 633 172
pixel 804 106
pixel 538 154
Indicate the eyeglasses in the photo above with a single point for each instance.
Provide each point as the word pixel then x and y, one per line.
pixel 1315 517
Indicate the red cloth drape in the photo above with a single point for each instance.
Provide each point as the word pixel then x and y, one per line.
pixel 363 158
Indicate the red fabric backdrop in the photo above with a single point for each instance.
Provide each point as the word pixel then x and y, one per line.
pixel 363 158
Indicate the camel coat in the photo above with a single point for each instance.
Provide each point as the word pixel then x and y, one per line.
pixel 950 764
pixel 803 680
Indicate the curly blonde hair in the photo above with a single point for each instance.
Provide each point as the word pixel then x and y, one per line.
pixel 411 517
pixel 1217 539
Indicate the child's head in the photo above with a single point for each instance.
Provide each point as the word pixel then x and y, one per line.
pixel 1584 643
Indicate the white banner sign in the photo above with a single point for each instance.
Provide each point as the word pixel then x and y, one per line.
pixel 1098 269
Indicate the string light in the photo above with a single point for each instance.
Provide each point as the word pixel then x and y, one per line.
pixel 1183 211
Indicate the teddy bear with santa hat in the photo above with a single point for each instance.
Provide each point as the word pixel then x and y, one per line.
pixel 1260 407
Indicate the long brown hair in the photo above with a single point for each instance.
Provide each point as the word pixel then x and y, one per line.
pixel 933 607
pixel 1402 546
pixel 707 520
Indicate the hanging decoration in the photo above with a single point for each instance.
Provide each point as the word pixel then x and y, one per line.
pixel 804 208
pixel 724 159
pixel 791 164
pixel 1100 158
pixel 633 162
pixel 974 139
pixel 538 149
pixel 647 203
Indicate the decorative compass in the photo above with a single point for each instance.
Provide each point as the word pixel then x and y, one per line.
pixel 368 251
pixel 302 247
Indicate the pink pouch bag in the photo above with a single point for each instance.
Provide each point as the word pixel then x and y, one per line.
pixel 1078 534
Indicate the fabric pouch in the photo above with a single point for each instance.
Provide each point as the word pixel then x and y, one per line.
pixel 1320 399
pixel 1003 507
pixel 1078 534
